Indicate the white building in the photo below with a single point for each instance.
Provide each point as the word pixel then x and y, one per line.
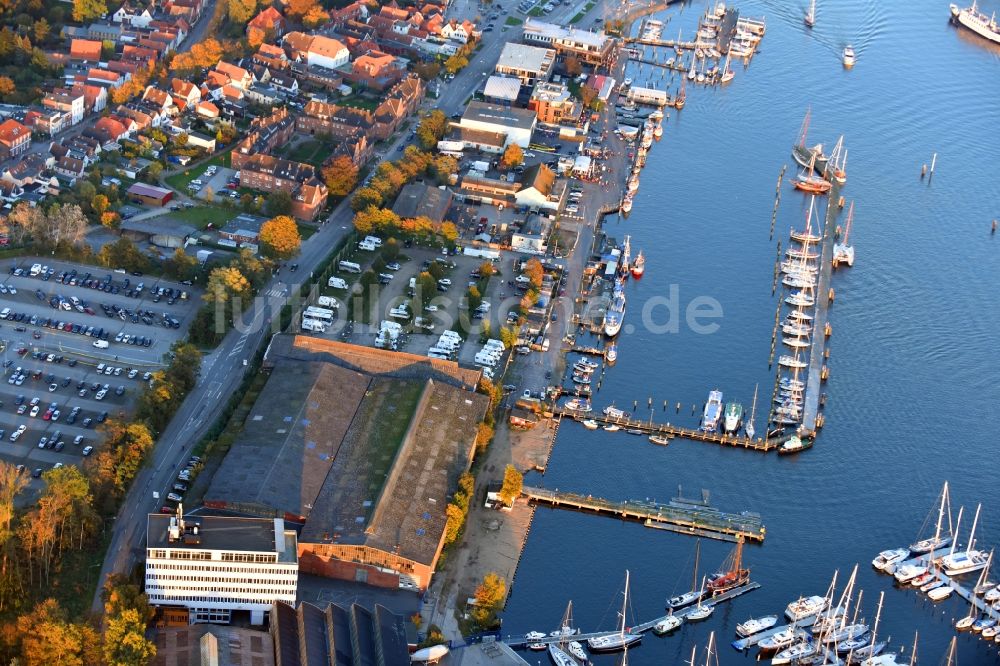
pixel 527 63
pixel 218 565
pixel 516 124
pixel 327 52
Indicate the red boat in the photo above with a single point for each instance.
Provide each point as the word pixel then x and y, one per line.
pixel 732 575
pixel 813 184
pixel 638 266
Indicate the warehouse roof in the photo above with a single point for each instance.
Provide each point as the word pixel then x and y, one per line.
pixel 502 87
pixel 526 58
pixel 142 189
pixel 495 114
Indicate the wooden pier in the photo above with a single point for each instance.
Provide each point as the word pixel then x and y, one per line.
pixel 650 427
pixel 817 358
pixel 680 515
pixel 520 642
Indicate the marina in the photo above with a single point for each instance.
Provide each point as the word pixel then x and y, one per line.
pixel 684 516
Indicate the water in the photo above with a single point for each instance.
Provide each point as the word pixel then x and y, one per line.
pixel 913 357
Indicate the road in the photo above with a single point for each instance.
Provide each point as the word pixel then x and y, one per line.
pixel 223 369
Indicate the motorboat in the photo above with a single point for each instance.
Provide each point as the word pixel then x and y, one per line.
pixel 659 439
pixel 931 585
pixel 756 625
pixel 800 298
pixel 781 640
pixel 849 56
pixel 588 364
pixel 887 559
pixel 713 411
pixel 791 362
pixel 611 353
pixel 733 417
pixel 804 607
pixel 590 424
pixel 560 658
pixel 612 427
pixel 796 343
pixel 582 369
pixel 908 572
pixel 795 444
pixel 575 648
pixel 795 653
pixel 957 564
pixel 639 265
pixel 578 405
pixel 667 624
pixel 940 593
pixel 922 579
pixel 533 637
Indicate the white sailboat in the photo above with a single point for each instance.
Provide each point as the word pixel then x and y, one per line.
pixel 843 252
pixel 939 540
pixel 688 598
pixel 620 640
pixel 810 17
pixel 701 611
pixel 869 653
pixel 753 411
pixel 968 560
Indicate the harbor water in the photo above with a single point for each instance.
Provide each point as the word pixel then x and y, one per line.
pixel 912 393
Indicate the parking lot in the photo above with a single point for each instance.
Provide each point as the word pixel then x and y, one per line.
pixel 215 179
pixel 74 355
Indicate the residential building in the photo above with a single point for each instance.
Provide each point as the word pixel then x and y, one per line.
pixel 553 104
pixel 203 141
pixel 85 49
pixel 516 124
pixel 95 98
pixel 237 76
pixel 377 70
pixel 326 52
pixel 15 139
pixel 532 237
pixel 458 32
pixel 184 93
pixel 266 133
pixel 525 62
pixel 137 17
pixel 213 566
pixel 271 174
pixel 592 48
pixel 46 121
pixel 70 104
pixel 243 228
pixel 270 21
pixel 399 102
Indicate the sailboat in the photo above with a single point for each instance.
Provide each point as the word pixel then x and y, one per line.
pixel 688 598
pixel 802 155
pixel 733 573
pixel 939 540
pixel 701 611
pixel 864 654
pixel 843 251
pixel 808 181
pixel 810 17
pixel 837 168
pixel 620 640
pixel 753 410
pixel 681 97
pixel 967 561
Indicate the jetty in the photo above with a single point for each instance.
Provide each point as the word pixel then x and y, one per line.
pixel 817 353
pixel 680 515
pixel 521 642
pixel 983 608
pixel 650 427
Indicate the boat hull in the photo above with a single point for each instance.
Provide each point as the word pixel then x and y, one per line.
pixel 616 644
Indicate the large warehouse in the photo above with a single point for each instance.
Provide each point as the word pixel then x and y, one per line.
pixel 516 124
pixel 149 195
pixel 363 447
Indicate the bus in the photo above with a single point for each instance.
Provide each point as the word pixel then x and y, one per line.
pixel 322 315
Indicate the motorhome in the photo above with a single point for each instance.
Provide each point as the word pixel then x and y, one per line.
pixel 348 267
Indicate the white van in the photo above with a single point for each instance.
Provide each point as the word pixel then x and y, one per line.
pixel 349 267
pixel 100 368
pixel 451 334
pixel 36 269
pixel 366 246
pixel 101 344
pixel 328 302
pixel 337 283
pixel 4 313
pixel 374 240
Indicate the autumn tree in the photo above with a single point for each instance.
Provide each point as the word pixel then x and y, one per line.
pixel 448 231
pixel 6 86
pixel 279 237
pixel 299 9
pixel 443 168
pixel 279 203
pixel 533 269
pixel 110 219
pixel 241 11
pixel 513 481
pixel 12 482
pixel 88 10
pixel 206 53
pixel 124 254
pixel 314 17
pixel 180 265
pixel 224 284
pixel 490 596
pixel 48 637
pixel 366 197
pixel 41 30
pixel 508 336
pixel 126 613
pixel 428 71
pixel 340 175
pixel 375 219
pixel 99 204
pixel 487 269
pixel 61 224
pixel 432 129
pixel 513 156
pixel 573 66
pixel 455 63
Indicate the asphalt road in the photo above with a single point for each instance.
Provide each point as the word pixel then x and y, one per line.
pixel 223 370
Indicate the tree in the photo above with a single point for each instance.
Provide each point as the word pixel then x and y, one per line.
pixel 123 254
pixel 47 636
pixel 279 237
pixel 88 10
pixel 181 265
pixel 426 287
pixel 301 8
pixel 474 298
pixel 513 481
pixel 366 197
pixel 454 520
pixel 41 30
pixel 99 204
pixel 153 171
pixel 573 66
pixel 508 336
pixel 428 71
pixel 6 86
pixel 225 283
pixel 110 219
pixel 432 129
pixel 449 232
pixel 390 250
pixel 247 203
pixel 204 54
pixel 533 269
pixel 315 16
pixel 340 175
pixel 589 98
pixel 490 596
pixel 279 203
pixel 241 11
pixel 487 269
pixel 455 63
pixel 513 156
pixel 443 168
pixel 375 219
pixel 125 643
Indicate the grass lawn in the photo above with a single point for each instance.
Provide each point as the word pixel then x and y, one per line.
pixel 536 12
pixel 305 230
pixel 577 18
pixel 513 20
pixel 309 152
pixel 361 103
pixel 200 216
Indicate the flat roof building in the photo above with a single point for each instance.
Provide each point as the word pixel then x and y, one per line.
pixel 525 62
pixel 422 200
pixel 516 124
pixel 502 89
pixel 593 48
pixel 213 566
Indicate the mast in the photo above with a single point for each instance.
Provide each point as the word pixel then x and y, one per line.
pixel 753 410
pixel 958 524
pixel 805 127
pixel 972 535
pixel 913 652
pixel 694 575
pixel 944 491
pixel 951 651
pixel 847 235
pixel 621 631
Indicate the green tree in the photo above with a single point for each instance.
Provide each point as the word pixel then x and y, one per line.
pixel 390 250
pixel 88 10
pixel 513 481
pixel 279 237
pixel 279 203
pixel 490 596
pixel 426 287
pixel 474 298
pixel 99 204
pixel 181 265
pixel 508 336
pixel 443 168
pixel 41 30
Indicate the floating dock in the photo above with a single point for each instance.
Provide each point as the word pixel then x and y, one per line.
pixel 672 431
pixel 680 515
pixel 817 359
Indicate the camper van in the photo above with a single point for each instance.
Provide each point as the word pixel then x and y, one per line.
pixel 438 353
pixel 348 267
pixel 328 302
pixel 366 246
pixel 336 282
pixel 373 240
pixel 313 326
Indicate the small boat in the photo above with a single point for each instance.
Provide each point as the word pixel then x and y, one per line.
pixel 582 369
pixel 989 633
pixel 983 623
pixel 922 579
pixel 940 593
pixel 713 411
pixel 657 131
pixel 849 56
pixel 804 607
pixel 667 624
pixel 756 625
pixel 796 343
pixel 588 364
pixel 812 184
pixel 560 658
pixel 800 315
pixel 626 204
pixel 791 362
pixel 581 379
pixel 795 653
pixel 611 354
pixel 732 417
pixel 575 648
pixel 749 427
pixel 578 405
pixel 627 81
pixel 532 638
pixel 612 427
pixel 908 572
pixel 967 561
pixel 887 559
pixel 992 595
pixel 639 265
pixel 796 329
pixel 795 444
pixel 809 157
pixel 965 623
pixel 590 424
pixel 931 585
pixel 635 431
pixel 620 640
pixel 781 639
pixel 659 439
pixel 800 299
pixel 845 647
